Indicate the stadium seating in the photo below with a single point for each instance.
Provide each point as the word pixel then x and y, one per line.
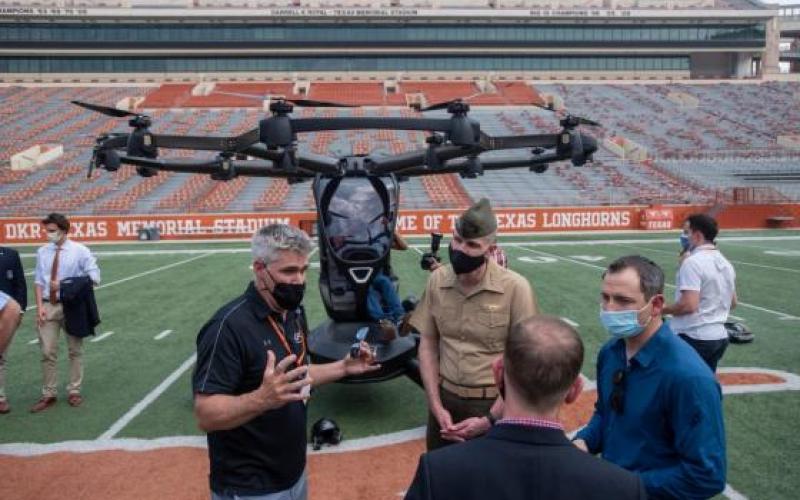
pixel 699 142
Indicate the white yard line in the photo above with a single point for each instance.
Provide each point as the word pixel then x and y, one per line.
pixel 145 273
pixel 147 400
pixel 626 241
pixel 102 337
pixel 175 251
pixel 782 315
pixel 733 494
pixel 162 334
pixel 570 322
pixel 34 341
pixel 775 268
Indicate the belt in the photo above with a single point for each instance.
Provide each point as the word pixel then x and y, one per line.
pixel 467 392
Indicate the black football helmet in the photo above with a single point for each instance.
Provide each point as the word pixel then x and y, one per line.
pixel 325 431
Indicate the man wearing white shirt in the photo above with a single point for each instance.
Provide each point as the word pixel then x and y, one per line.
pixel 9 321
pixel 59 259
pixel 705 291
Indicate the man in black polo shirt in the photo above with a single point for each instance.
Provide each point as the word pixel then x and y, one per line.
pixel 253 376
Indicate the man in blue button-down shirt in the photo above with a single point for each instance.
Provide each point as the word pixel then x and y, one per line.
pixel 659 407
pixel 59 259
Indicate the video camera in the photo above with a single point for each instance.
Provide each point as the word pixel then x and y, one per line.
pixel 430 258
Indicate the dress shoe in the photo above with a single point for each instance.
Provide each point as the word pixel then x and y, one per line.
pixel 4 407
pixel 43 404
pixel 388 330
pixel 75 399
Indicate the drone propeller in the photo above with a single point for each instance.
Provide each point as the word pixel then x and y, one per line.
pixel 447 104
pixel 116 113
pixel 303 103
pixel 574 120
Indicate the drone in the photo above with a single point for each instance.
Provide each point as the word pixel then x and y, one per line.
pixel 356 196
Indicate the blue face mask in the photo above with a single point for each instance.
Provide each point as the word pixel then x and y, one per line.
pixel 622 324
pixel 684 242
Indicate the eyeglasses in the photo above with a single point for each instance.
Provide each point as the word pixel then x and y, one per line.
pixel 618 392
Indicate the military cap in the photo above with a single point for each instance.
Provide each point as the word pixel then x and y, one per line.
pixel 477 221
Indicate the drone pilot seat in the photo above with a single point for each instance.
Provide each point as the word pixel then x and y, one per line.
pixel 356 225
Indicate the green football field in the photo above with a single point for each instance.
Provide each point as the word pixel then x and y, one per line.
pixel 156 296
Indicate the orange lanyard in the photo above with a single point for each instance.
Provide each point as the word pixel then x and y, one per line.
pixel 282 336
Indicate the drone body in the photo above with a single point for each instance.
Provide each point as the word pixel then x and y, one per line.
pixel 357 197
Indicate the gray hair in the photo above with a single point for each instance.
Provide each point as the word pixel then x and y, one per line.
pixel 269 240
pixel 651 277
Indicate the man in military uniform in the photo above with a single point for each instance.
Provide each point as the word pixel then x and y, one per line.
pixel 464 317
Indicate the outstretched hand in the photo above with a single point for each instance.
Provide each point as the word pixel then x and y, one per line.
pixel 363 363
pixel 281 385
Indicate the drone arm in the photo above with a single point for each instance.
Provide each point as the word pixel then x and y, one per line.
pixel 369 123
pixel 489 143
pixel 113 141
pixel 405 161
pixel 194 142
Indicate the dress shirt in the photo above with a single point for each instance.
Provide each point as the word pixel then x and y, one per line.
pixel 671 429
pixel 75 260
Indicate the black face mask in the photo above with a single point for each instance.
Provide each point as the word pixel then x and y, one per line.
pixel 287 295
pixel 463 263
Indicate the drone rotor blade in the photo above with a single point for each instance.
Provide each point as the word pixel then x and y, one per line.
pixel 438 105
pixel 116 113
pixel 586 121
pixel 309 103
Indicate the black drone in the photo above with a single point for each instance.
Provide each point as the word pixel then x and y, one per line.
pixel 357 196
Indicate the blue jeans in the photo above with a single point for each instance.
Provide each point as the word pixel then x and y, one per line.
pixel 297 492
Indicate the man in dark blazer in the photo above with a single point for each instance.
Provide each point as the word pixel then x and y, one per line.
pixel 12 283
pixel 526 454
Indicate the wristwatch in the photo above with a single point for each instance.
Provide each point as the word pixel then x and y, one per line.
pixel 492 419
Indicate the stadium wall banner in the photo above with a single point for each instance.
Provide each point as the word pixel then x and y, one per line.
pixel 410 222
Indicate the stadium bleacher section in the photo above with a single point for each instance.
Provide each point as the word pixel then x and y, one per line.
pixel 546 4
pixel 696 142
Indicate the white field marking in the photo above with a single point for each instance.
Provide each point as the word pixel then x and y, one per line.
pixel 588 384
pixel 30 273
pixel 139 275
pixel 792 381
pixel 162 335
pixel 781 315
pixel 313 265
pixel 736 318
pixel 764 266
pixel 627 241
pixel 783 253
pixel 416 249
pixel 102 337
pixel 788 318
pixel 733 494
pixel 106 443
pixel 147 400
pixel 133 444
pixel 176 251
pixel 570 322
pixel 34 341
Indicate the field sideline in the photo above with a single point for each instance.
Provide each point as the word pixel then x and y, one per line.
pixel 156 296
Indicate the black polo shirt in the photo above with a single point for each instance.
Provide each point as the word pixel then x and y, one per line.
pixel 268 453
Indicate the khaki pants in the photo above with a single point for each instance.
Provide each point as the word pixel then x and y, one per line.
pixel 48 341
pixel 459 410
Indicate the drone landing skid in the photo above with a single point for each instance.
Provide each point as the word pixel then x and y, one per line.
pixel 331 341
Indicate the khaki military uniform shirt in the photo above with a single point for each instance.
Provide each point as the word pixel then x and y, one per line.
pixel 472 329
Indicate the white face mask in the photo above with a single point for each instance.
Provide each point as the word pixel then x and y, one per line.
pixel 53 236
